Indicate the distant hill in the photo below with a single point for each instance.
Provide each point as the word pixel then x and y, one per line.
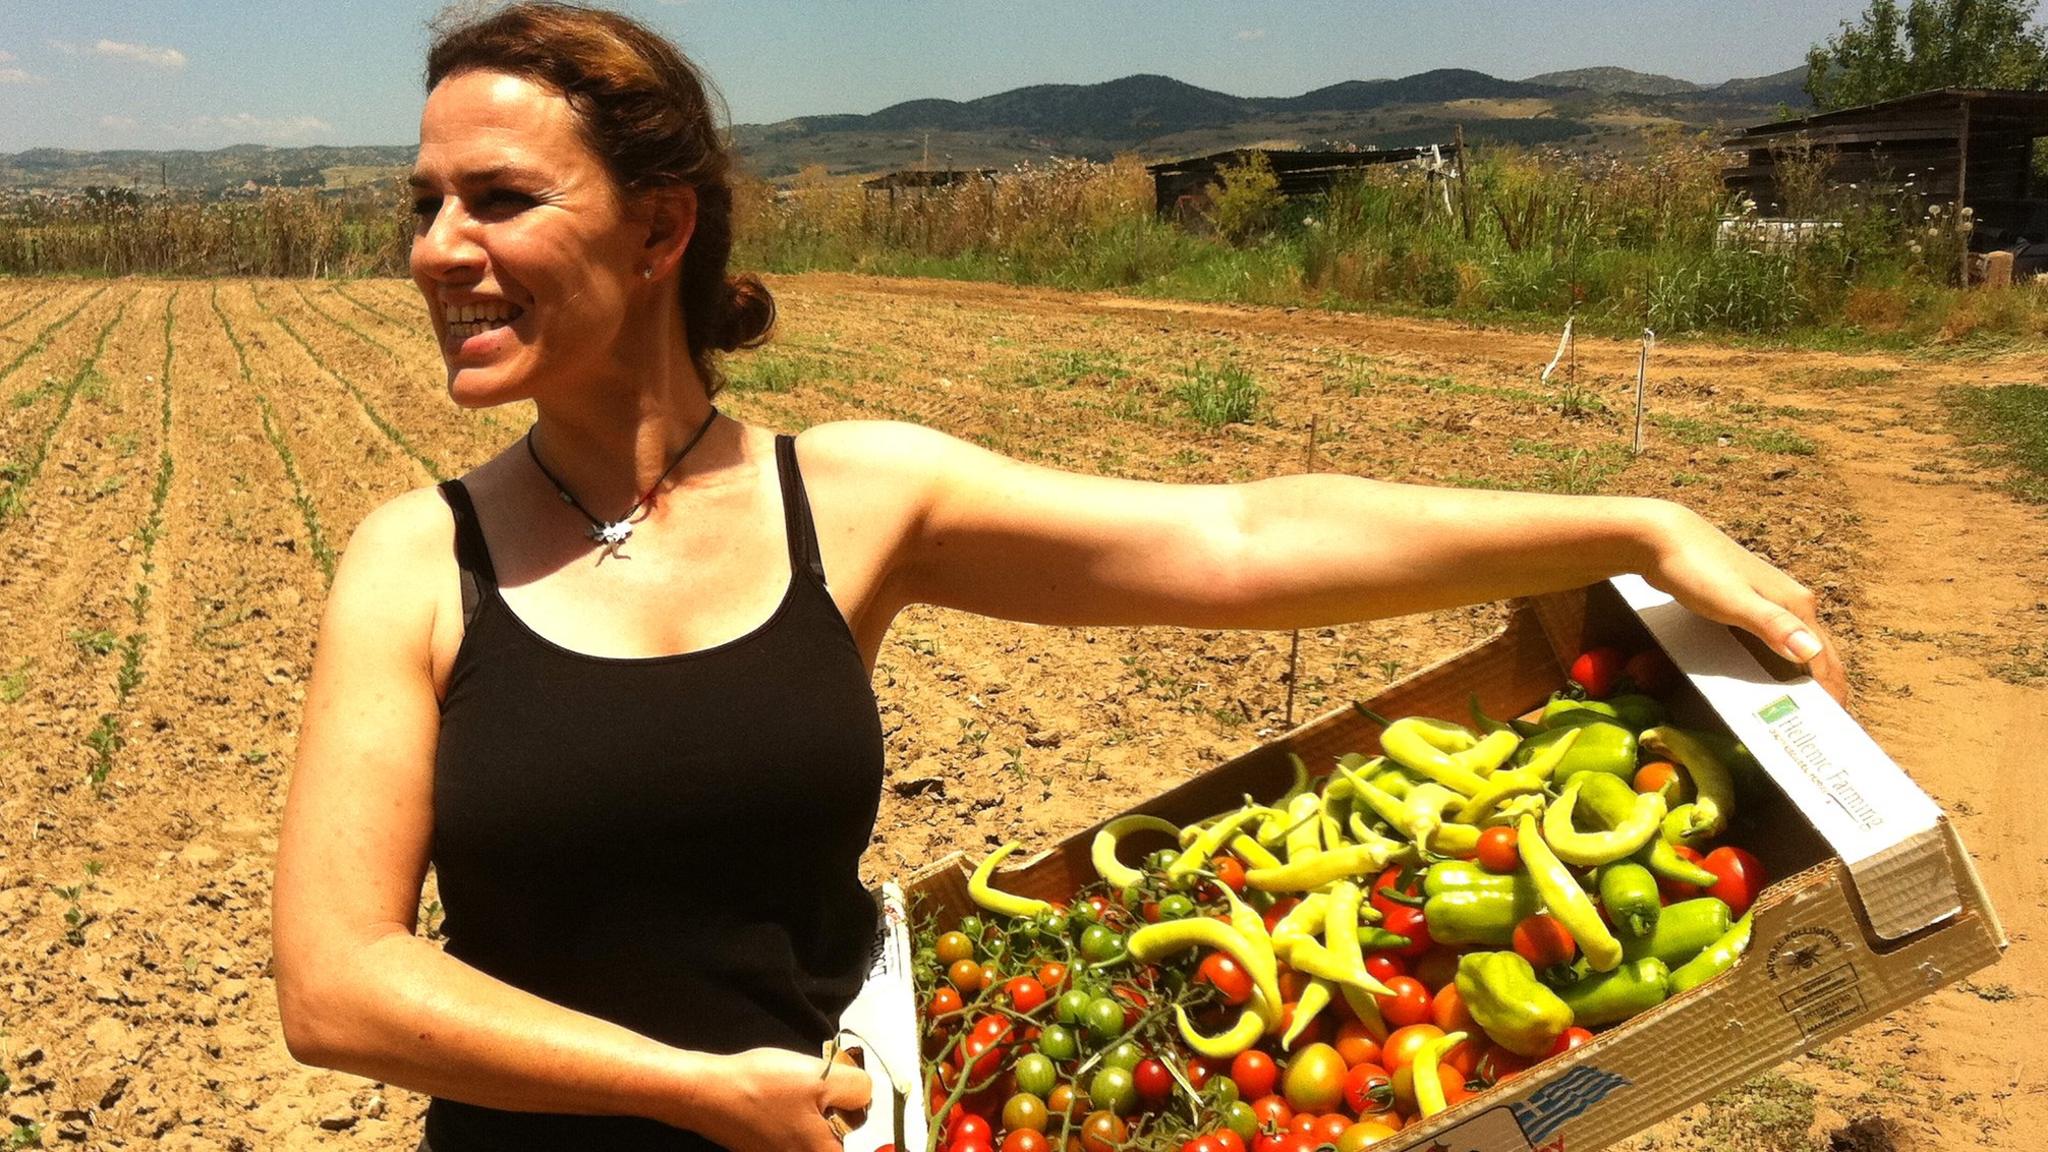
pixel 1613 110
pixel 1616 80
pixel 211 172
pixel 1590 109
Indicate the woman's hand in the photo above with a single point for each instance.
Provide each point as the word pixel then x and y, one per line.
pixel 1701 568
pixel 772 1100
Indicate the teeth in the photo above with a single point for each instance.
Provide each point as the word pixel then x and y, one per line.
pixel 470 313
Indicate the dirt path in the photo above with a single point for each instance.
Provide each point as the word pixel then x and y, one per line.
pixel 135 1005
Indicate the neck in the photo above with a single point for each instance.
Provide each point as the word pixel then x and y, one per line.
pixel 612 455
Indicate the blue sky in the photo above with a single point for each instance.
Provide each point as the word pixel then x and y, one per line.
pixel 193 74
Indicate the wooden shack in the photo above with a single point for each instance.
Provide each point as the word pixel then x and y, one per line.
pixel 917 183
pixel 1180 182
pixel 1961 147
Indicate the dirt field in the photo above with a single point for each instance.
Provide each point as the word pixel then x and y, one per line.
pixel 180 462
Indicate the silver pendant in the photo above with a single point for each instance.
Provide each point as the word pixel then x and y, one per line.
pixel 611 535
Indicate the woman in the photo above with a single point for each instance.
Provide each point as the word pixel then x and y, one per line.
pixel 604 684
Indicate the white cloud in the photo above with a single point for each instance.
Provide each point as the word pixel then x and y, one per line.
pixel 1250 34
pixel 248 125
pixel 16 76
pixel 140 53
pixel 118 123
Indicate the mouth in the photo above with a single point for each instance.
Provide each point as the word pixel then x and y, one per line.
pixel 466 321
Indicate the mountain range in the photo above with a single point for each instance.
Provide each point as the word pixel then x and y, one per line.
pixel 1591 110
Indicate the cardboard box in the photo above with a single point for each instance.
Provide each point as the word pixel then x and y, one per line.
pixel 1877 903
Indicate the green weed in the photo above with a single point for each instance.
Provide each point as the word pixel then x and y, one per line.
pixel 2007 425
pixel 1215 395
pixel 97 642
pixel 14 685
pixel 765 372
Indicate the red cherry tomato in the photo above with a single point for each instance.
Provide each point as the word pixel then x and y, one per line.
pixel 1227 1141
pixel 1409 1003
pixel 1053 975
pixel 1221 971
pixel 1544 941
pixel 1497 852
pixel 1567 1040
pixel 1206 1142
pixel 1384 966
pixel 1255 1074
pixel 945 1002
pixel 1279 911
pixel 1674 891
pixel 1399 1050
pixel 1272 1111
pixel 1328 1128
pixel 1437 967
pixel 1356 1043
pixel 1740 877
pixel 981 1056
pixel 1154 1082
pixel 1026 1140
pixel 1597 670
pixel 1202 1069
pixel 1229 872
pixel 1368 1089
pixel 969 1127
pixel 1388 881
pixel 1409 922
pixel 1447 1011
pixel 1024 993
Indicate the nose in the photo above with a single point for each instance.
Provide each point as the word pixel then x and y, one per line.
pixel 444 247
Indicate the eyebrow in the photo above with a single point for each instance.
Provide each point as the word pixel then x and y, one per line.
pixel 419 182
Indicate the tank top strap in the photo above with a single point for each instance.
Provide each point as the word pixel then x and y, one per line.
pixel 796 512
pixel 472 555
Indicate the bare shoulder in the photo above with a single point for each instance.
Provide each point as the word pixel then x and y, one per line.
pixel 393 559
pixel 896 456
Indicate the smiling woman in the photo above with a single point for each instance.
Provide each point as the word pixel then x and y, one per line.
pixel 602 685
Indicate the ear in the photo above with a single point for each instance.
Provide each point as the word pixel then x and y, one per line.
pixel 670 217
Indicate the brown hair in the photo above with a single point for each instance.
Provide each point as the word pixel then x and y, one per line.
pixel 645 112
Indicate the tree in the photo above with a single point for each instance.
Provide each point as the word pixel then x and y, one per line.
pixel 1928 44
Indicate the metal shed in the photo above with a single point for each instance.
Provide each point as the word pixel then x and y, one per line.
pixel 1300 173
pixel 1970 147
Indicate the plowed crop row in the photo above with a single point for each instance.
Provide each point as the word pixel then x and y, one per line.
pixel 182 462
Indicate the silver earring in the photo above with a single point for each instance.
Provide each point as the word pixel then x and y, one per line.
pixel 647 273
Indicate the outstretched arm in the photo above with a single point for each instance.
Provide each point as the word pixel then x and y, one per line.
pixel 1010 539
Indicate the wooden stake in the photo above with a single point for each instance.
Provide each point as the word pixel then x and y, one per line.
pixel 1308 464
pixel 1962 188
pixel 1464 180
pixel 1642 375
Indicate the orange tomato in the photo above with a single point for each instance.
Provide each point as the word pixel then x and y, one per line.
pixel 1355 1043
pixel 1447 1011
pixel 1399 1050
pixel 1364 1134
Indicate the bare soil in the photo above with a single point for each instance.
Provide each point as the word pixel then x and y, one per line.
pixel 135 1004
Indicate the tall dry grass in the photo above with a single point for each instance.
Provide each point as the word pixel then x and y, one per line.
pixel 282 232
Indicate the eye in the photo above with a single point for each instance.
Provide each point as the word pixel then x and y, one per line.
pixel 426 207
pixel 505 201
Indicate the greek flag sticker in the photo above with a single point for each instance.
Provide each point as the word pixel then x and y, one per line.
pixel 1567 1097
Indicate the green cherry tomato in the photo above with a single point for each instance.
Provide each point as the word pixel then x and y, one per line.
pixel 1239 1117
pixel 1160 860
pixel 1070 1006
pixel 1125 1055
pixel 973 927
pixel 1035 1073
pixel 1099 943
pixel 1104 1019
pixel 1113 1088
pixel 1024 1111
pixel 1058 1044
pixel 1221 1092
pixel 1052 922
pixel 1176 907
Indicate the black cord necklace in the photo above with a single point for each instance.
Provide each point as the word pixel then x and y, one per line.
pixel 612 533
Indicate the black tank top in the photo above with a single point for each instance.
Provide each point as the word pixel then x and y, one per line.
pixel 670 842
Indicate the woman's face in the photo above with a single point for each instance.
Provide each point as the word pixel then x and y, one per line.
pixel 522 245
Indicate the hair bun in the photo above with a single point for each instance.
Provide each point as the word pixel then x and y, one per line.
pixel 746 313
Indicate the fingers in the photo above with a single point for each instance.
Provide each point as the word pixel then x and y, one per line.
pixel 1791 626
pixel 848 1088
